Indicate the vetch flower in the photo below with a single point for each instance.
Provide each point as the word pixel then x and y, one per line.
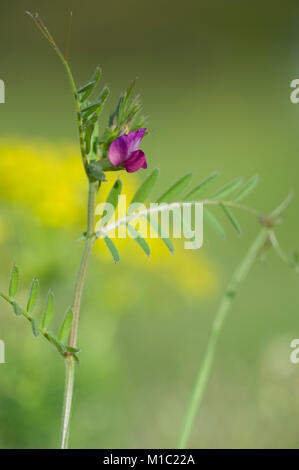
pixel 124 151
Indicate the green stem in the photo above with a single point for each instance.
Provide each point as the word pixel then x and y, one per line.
pixel 81 277
pixel 89 240
pixel 226 302
pixel 68 398
pixel 5 297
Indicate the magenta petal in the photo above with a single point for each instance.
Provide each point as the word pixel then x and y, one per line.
pixel 135 161
pixel 134 139
pixel 118 151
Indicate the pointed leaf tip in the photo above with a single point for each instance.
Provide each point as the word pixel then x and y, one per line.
pixel 201 187
pixel 115 193
pixel 232 219
pixel 146 187
pixel 112 248
pixel 139 239
pixel 66 327
pixel 48 310
pixel 86 90
pixel 33 295
pixel 211 219
pixel 14 281
pixel 175 189
pixel 227 188
pixel 247 188
pixel 111 201
pixel 154 222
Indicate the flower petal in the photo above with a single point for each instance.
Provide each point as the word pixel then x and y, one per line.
pixel 118 151
pixel 134 139
pixel 136 161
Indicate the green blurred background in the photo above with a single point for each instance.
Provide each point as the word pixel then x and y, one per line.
pixel 215 78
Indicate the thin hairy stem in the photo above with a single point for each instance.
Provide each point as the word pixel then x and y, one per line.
pixel 27 315
pixel 5 297
pixel 89 240
pixel 167 207
pixel 67 402
pixel 225 305
pixel 81 277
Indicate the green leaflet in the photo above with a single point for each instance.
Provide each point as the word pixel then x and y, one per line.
pixel 87 89
pixel 115 115
pixel 89 130
pixel 95 170
pixel 66 327
pixel 97 106
pixel 126 115
pixel 112 248
pixel 139 239
pixel 58 345
pixel 93 151
pixel 180 222
pixel 112 199
pixel 175 189
pixel 120 108
pixel 157 227
pixel 247 188
pixel 146 187
pixel 227 189
pixel 33 295
pixel 14 281
pixel 17 309
pixel 211 219
pixel 48 310
pixel 114 193
pixel 201 187
pixel 35 329
pixel 72 350
pixel 91 109
pixel 232 219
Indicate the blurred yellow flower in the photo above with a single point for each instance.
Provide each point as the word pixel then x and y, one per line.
pixel 50 181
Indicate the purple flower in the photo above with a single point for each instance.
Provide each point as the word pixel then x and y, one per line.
pixel 124 151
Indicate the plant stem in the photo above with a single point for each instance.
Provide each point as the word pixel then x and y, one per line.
pixel 93 187
pixel 225 304
pixel 67 402
pixel 81 277
pixel 166 207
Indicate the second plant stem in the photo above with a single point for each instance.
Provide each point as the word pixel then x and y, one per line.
pixel 81 277
pixel 204 373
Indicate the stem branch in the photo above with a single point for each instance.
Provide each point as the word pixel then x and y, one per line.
pixel 225 304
